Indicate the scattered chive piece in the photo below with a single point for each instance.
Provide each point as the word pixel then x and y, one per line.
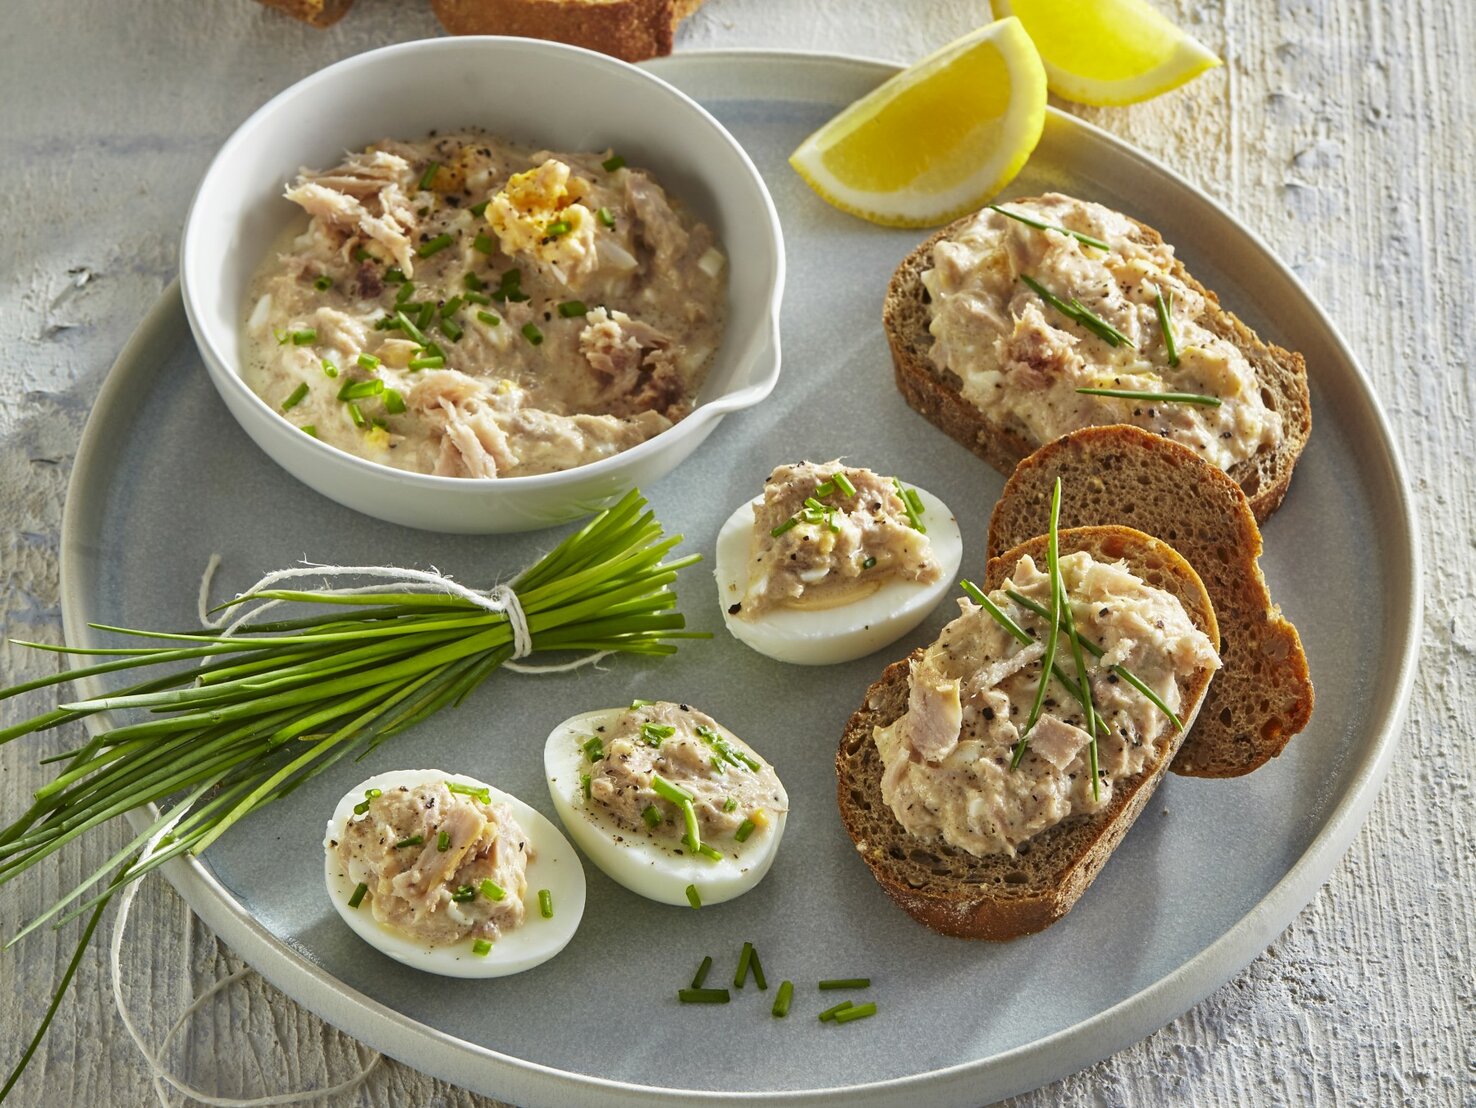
pixel 545 904
pixel 781 1002
pixel 436 362
pixel 1162 397
pixel 481 948
pixel 825 488
pixel 482 244
pixel 558 227
pixel 429 175
pixel 329 369
pixel 913 504
pixel 744 959
pixel 859 1012
pixel 831 1013
pixel 361 808
pixel 425 314
pixel 843 483
pixel 358 390
pixel 476 298
pixel 696 902
pixel 298 394
pixel 463 893
pixel 792 521
pixel 443 840
pixel 639 703
pixel 846 983
pixel 1079 236
pixel 586 785
pixel 452 306
pixel 434 246
pixel 572 309
pixel 730 804
pixel 407 290
pixel 1164 306
pixel 482 794
pixel 606 217
pixel 413 840
pixel 394 401
pixel 304 337
pixel 479 210
pixel 704 996
pixel 612 163
pixel 1053 551
pixel 710 852
pixel 1080 313
pixel 667 791
pixel 323 282
pixel 394 275
pixel 870 561
pixel 472 283
pixel 358 898
pixel 281 336
pixel 532 333
pixel 309 429
pixel 1088 710
pixel 367 361
pixel 654 734
pixel 701 975
pixel 362 255
pixel 724 749
pixel 593 748
pixel 651 815
pixel 745 829
pixel 492 890
pixel 488 318
pixel 356 414
pixel 451 329
pixel 758 972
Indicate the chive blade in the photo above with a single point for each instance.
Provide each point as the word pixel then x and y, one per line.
pixel 704 996
pixel 1158 397
pixel 1079 236
pixel 701 975
pixel 782 1000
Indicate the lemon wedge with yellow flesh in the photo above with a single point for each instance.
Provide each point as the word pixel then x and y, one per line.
pixel 1109 51
pixel 938 139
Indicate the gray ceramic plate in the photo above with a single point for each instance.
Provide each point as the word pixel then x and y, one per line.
pixel 1211 873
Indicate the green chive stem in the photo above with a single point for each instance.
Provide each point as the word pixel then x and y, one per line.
pixel 704 996
pixel 545 904
pixel 693 897
pixel 1080 313
pixel 1158 397
pixel 781 1001
pixel 859 1012
pixel 745 956
pixel 701 975
pixel 357 897
pixel 481 948
pixel 297 397
pixel 831 1013
pixel 845 983
pixel 1079 236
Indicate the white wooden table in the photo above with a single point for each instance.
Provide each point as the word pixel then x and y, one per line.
pixel 1342 132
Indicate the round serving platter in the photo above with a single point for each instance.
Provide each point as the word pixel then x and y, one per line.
pixel 1210 874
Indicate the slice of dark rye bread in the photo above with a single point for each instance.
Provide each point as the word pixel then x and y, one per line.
pixel 998 897
pixel 1125 475
pixel 935 392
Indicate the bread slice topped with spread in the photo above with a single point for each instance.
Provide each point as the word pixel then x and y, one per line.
pixel 1013 326
pixel 1123 475
pixel 977 833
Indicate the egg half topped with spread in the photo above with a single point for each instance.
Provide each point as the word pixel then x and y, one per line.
pixel 832 563
pixel 667 801
pixel 447 874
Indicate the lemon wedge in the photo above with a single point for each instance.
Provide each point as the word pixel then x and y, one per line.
pixel 1109 51
pixel 938 139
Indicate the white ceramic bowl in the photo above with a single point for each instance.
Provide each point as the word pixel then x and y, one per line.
pixel 540 93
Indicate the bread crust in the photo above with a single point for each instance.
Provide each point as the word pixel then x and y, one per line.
pixel 936 393
pixel 632 30
pixel 996 897
pixel 1263 694
pixel 319 13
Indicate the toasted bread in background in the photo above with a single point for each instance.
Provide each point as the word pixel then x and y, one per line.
pixel 1125 475
pixel 935 393
pixel 998 897
pixel 320 13
pixel 628 29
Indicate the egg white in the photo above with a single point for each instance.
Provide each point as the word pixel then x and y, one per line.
pixel 645 862
pixel 555 866
pixel 825 636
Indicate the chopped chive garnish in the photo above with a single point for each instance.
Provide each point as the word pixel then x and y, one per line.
pixel 323 282
pixel 859 1012
pixel 695 900
pixel 425 315
pixel 913 504
pixel 492 890
pixel 781 1002
pixel 724 749
pixel 472 283
pixel 703 996
pixel 593 748
pixel 394 275
pixel 394 401
pixel 358 390
pixel 710 852
pixel 482 244
pixel 413 840
pixel 372 794
pixel 831 1013
pixel 357 414
pixel 358 898
pixel 1162 397
pixel 606 217
pixel 558 227
pixel 1164 306
pixel 463 893
pixel 791 522
pixel 298 394
pixel 586 785
pixel 452 306
pixel 825 488
pixel 481 948
pixel 545 904
pixel 745 829
pixel 478 791
pixel 429 175
pixel 443 841
pixel 476 298
pixel 745 957
pixel 701 975
pixel 532 333
pixel 367 361
pixel 612 163
pixel 304 337
pixel 329 369
pixel 1080 313
pixel 870 561
pixel 309 429
pixel 639 703
pixel 479 210
pixel 1088 709
pixel 451 329
pixel 1048 659
pixel 434 246
pixel 488 318
pixel 843 483
pixel 435 362
pixel 407 290
pixel 758 972
pixel 845 983
pixel 1079 236
pixel 572 309
pixel 654 734
pixel 361 808
pixel 651 814
pixel 730 804
pixel 281 336
pixel 362 255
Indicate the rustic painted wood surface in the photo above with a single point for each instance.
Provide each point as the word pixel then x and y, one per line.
pixel 1341 130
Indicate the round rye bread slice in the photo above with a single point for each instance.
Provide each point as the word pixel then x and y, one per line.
pixel 1262 695
pixel 936 392
pixel 995 896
